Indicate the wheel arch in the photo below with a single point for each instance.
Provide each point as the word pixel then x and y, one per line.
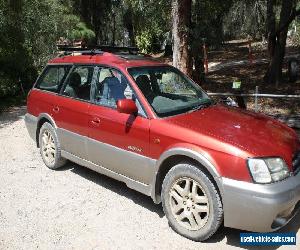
pixel 176 155
pixel 41 120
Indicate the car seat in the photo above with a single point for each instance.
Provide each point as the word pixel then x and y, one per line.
pixel 72 88
pixel 113 90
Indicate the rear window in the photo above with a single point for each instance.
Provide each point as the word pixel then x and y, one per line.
pixel 52 78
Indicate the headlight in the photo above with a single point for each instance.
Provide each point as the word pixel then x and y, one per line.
pixel 268 170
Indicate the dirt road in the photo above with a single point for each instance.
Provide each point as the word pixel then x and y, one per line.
pixel 75 208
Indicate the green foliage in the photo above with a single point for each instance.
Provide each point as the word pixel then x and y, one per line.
pixel 295 36
pixel 6 86
pixel 207 20
pixel 13 56
pixel 144 41
pixel 29 30
pixel 151 21
pixel 296 29
pixel 82 32
pixel 97 15
pixel 246 18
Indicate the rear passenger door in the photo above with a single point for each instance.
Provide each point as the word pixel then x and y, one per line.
pixel 46 89
pixel 71 110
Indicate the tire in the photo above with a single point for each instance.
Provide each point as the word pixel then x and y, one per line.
pixel 50 147
pixel 191 202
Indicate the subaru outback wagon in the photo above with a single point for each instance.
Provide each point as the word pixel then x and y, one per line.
pixel 145 123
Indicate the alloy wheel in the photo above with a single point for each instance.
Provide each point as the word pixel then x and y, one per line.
pixel 189 204
pixel 48 147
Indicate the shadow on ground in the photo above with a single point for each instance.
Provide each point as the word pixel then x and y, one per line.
pixel 12 115
pixel 115 186
pixel 231 236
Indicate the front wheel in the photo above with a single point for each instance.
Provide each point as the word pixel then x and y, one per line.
pixel 191 202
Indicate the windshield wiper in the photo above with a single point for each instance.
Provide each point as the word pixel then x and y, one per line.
pixel 202 106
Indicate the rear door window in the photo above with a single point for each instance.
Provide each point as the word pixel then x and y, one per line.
pixel 79 82
pixel 52 78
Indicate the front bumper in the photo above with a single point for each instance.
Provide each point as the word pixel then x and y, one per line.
pixel 260 208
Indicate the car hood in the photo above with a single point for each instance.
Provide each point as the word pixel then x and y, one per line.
pixel 254 133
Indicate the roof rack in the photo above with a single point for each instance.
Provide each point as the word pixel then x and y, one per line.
pixel 83 51
pixel 96 50
pixel 126 53
pixel 118 49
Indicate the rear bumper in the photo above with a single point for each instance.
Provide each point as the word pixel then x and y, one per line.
pixel 260 208
pixel 31 125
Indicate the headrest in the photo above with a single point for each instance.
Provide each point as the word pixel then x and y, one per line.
pixel 111 81
pixel 75 79
pixel 144 83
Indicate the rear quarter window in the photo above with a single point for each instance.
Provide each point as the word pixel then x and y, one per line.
pixel 53 78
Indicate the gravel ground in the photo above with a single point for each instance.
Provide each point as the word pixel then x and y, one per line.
pixel 75 208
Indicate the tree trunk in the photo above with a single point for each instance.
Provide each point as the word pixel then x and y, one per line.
pixel 131 36
pixel 197 45
pixel 128 23
pixel 113 43
pixel 181 18
pixel 271 27
pixel 277 39
pixel 274 72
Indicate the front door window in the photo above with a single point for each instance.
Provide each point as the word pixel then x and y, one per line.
pixel 112 86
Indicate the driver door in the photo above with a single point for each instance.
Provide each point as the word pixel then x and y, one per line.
pixel 118 142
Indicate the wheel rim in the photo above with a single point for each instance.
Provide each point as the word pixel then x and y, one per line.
pixel 189 204
pixel 48 147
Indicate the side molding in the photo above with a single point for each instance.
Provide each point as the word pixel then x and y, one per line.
pixel 133 184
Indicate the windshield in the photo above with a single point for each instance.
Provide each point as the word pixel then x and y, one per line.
pixel 169 91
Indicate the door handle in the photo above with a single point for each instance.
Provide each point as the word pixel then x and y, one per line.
pixel 95 121
pixel 56 109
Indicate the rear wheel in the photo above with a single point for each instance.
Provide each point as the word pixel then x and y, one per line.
pixel 191 202
pixel 50 147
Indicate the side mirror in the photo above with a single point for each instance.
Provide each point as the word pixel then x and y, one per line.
pixel 127 106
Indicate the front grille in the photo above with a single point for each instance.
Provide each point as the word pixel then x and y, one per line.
pixel 296 163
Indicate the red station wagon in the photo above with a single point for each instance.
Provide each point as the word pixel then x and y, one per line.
pixel 145 123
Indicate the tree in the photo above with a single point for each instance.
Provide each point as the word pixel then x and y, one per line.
pixel 207 27
pixel 128 24
pixel 95 14
pixel 277 35
pixel 181 30
pixel 12 53
pixel 149 22
pixel 246 17
pixel 29 30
